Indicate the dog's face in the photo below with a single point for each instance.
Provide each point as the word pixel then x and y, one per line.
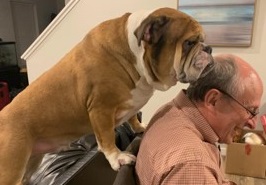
pixel 174 48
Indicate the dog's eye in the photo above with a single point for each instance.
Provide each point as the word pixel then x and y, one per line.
pixel 188 44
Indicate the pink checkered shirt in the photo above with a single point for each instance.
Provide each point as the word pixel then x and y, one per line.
pixel 179 147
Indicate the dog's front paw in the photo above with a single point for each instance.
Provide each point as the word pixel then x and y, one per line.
pixel 121 158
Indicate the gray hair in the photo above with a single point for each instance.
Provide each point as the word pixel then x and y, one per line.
pixel 224 75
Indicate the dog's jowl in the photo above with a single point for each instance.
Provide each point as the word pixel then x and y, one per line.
pixel 102 82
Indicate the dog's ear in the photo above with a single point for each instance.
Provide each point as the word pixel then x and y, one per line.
pixel 151 29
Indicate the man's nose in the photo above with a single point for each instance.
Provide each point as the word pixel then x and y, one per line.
pixel 252 123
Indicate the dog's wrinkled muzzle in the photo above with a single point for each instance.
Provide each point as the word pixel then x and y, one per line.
pixel 201 63
pixel 204 60
pixel 208 68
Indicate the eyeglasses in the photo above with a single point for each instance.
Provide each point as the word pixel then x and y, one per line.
pixel 252 113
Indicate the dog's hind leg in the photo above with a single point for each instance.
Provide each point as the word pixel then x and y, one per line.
pixel 15 150
pixel 103 123
pixel 137 126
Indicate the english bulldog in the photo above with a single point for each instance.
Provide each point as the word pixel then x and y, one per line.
pixel 102 82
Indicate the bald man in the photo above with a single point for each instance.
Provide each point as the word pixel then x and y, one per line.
pixel 180 145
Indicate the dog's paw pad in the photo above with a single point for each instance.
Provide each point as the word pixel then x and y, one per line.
pixel 126 158
pixel 122 158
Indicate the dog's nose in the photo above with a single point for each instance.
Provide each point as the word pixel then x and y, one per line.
pixel 208 49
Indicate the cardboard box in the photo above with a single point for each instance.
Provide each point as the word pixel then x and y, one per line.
pixel 245 159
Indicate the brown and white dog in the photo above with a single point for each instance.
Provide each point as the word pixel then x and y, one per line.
pixel 99 84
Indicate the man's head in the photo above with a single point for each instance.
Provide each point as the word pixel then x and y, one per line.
pixel 229 96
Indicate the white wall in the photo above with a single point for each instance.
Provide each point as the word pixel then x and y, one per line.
pixel 86 14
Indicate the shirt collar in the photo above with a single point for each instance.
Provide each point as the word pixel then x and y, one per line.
pixel 190 110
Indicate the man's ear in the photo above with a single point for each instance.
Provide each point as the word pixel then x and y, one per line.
pixel 211 97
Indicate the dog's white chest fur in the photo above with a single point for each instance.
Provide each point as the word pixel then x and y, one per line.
pixel 140 96
pixel 134 21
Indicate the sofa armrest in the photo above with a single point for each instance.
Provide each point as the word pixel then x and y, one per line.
pixel 126 174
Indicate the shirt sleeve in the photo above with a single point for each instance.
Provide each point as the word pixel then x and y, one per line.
pixel 193 173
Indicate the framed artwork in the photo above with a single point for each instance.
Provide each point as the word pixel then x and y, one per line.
pixel 226 22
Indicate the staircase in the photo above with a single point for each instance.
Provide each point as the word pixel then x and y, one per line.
pixel 71 25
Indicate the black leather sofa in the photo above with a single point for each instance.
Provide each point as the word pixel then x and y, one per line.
pixel 83 164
